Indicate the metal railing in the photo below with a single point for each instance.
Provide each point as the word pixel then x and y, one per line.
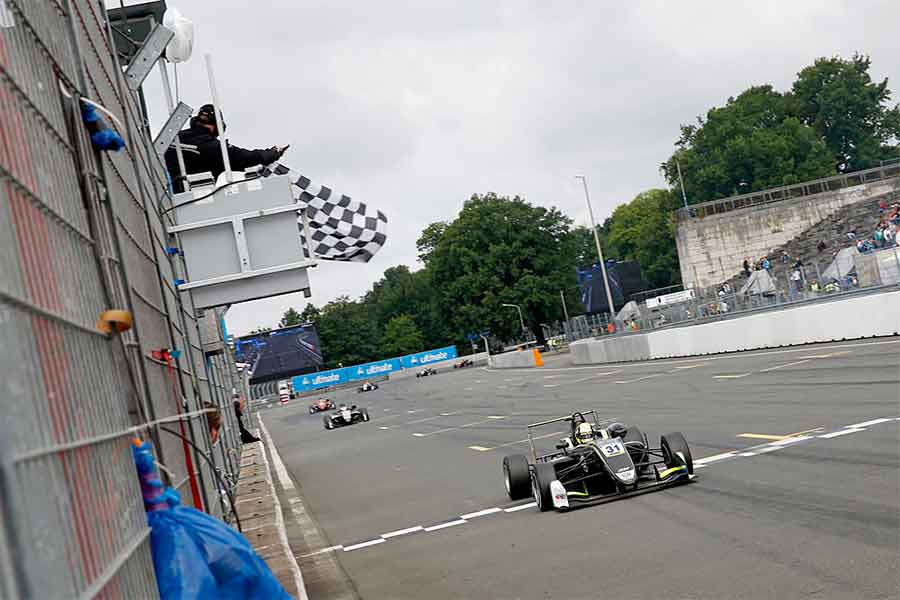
pixel 81 232
pixel 816 280
pixel 887 170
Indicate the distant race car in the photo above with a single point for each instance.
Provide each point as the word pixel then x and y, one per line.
pixel 466 362
pixel 321 405
pixel 426 372
pixel 367 387
pixel 595 463
pixel 345 415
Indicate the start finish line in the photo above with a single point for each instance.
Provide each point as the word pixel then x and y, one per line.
pixel 323 379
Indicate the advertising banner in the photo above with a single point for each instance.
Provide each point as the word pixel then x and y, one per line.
pixel 411 361
pixel 375 369
pixel 322 379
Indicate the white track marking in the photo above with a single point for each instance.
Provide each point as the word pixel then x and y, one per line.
pixel 383 427
pixel 374 542
pixel 747 454
pixel 549 376
pixel 279 516
pixel 766 449
pixel 496 417
pixel 322 551
pixel 409 412
pixel 641 378
pixel 689 366
pixel 400 532
pixel 835 434
pixel 817 356
pixel 737 376
pixel 448 414
pixel 419 435
pixel 868 423
pixel 551 385
pixel 539 437
pixel 714 458
pixel 481 513
pixel 790 364
pixel 283 478
pixel 792 440
pixel 520 507
pixel 457 427
pixel 429 418
pixel 446 525
pixel 700 467
pixel 480 448
pixel 583 379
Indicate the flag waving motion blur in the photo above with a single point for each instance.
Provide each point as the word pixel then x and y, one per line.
pixel 342 228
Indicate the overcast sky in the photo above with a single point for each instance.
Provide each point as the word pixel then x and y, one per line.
pixel 414 106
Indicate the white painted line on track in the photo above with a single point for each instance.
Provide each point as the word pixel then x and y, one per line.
pixel 766 449
pixel 419 435
pixel 496 417
pixel 641 378
pixel 583 379
pixel 549 376
pixel 374 542
pixel 539 437
pixel 400 532
pixel 446 525
pixel 747 454
pixel 736 376
pixel 448 414
pixel 430 433
pixel 792 440
pixel 383 427
pixel 689 366
pixel 868 423
pixel 479 448
pixel 835 434
pixel 551 385
pixel 481 513
pixel 714 458
pixel 520 507
pixel 790 364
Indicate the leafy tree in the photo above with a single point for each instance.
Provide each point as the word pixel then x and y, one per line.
pixel 259 330
pixel 753 142
pixel 644 230
pixel 347 332
pixel 502 250
pixel 290 318
pixel 848 110
pixel 401 336
pixel 429 239
pixel 310 313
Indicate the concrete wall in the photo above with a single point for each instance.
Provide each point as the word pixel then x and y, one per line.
pixel 850 318
pixel 513 360
pixel 712 249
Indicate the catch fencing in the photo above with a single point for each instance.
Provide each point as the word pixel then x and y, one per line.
pixel 82 232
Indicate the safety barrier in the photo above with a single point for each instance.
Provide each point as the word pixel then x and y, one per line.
pixel 81 232
pixel 516 359
pixel 844 318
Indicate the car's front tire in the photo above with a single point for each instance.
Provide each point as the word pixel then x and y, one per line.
pixel 328 423
pixel 672 444
pixel 517 476
pixel 365 414
pixel 541 476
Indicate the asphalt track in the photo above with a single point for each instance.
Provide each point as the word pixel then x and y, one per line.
pixel 412 504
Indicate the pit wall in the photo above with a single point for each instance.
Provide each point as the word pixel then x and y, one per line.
pixel 712 249
pixel 871 315
pixel 516 360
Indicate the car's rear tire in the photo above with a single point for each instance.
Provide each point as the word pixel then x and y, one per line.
pixel 365 414
pixel 541 477
pixel 634 434
pixel 517 476
pixel 672 444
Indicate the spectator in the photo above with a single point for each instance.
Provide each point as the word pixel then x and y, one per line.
pixel 246 436
pixel 213 421
pixel 785 258
pixel 796 282
pixel 821 246
pixel 726 287
pixel 851 235
pixel 747 267
pixel 882 206
pixel 764 263
pixel 202 151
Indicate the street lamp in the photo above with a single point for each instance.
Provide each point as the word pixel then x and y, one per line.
pixel 587 197
pixel 521 320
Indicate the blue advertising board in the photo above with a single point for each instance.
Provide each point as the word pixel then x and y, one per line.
pixel 411 361
pixel 322 379
pixel 375 369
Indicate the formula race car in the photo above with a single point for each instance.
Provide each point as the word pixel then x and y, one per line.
pixel 426 372
pixel 345 415
pixel 466 362
pixel 598 461
pixel 321 405
pixel 367 387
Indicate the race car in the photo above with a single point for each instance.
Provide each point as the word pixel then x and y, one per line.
pixel 367 387
pixel 345 415
pixel 321 405
pixel 426 372
pixel 466 362
pixel 596 462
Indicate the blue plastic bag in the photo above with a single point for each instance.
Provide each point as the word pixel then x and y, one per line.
pixel 198 557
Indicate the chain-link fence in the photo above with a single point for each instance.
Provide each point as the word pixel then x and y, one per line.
pixel 81 232
pixel 846 272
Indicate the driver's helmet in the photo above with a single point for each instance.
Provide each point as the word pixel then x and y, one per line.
pixel 584 433
pixel 617 430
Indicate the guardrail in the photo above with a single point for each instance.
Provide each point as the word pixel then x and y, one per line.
pixel 887 170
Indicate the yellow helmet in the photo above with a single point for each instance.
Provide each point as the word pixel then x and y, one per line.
pixel 584 433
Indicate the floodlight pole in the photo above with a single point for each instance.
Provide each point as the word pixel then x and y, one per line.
pixel 587 197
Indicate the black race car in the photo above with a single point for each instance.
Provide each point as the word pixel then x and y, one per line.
pixel 466 362
pixel 367 387
pixel 345 415
pixel 426 372
pixel 597 462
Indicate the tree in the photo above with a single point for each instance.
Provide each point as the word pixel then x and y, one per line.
pixel 644 230
pixel 259 330
pixel 310 313
pixel 754 142
pixel 850 112
pixel 347 333
pixel 502 250
pixel 290 318
pixel 401 336
pixel 429 238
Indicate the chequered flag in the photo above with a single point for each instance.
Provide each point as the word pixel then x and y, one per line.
pixel 341 228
